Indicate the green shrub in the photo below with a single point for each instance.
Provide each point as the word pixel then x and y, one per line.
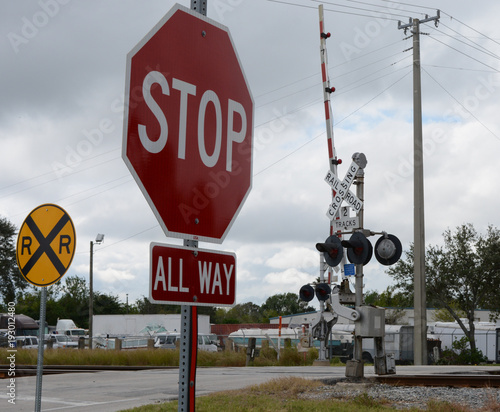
pixel 461 354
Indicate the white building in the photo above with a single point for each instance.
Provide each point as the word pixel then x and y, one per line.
pixel 133 325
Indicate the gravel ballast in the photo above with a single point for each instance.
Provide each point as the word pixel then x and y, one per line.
pixel 407 397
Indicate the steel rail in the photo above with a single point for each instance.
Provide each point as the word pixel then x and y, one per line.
pixel 463 380
pixel 30 370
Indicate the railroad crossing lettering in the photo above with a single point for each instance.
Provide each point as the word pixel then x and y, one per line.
pixel 342 192
pixel 45 245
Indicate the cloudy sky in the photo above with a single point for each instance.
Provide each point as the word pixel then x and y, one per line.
pixel 62 85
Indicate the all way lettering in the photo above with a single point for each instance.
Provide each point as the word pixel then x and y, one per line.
pixel 190 276
pixel 206 276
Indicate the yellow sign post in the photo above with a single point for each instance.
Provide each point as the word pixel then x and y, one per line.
pixel 45 245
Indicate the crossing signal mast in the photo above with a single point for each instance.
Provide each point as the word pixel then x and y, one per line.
pixel 358 250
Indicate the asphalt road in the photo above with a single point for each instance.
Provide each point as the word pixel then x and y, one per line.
pixel 110 391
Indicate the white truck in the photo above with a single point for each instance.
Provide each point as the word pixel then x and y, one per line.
pixel 68 328
pixel 171 340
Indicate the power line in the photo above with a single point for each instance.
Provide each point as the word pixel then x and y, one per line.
pixel 336 123
pixel 373 80
pixel 336 11
pixel 465 54
pixel 478 48
pixel 461 105
pixel 459 68
pixel 360 8
pixel 409 4
pixel 472 28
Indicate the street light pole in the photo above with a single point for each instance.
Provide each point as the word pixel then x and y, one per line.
pixel 99 239
pixel 91 294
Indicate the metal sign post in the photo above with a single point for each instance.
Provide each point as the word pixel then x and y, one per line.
pixel 45 248
pixel 188 352
pixel 200 6
pixel 39 365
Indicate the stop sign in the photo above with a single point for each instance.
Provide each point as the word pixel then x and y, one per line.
pixel 188 125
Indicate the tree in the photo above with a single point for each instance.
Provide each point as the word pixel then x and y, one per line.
pixel 241 313
pixel 463 275
pixel 29 303
pixel 389 298
pixel 395 302
pixel 284 304
pixel 75 301
pixel 105 304
pixel 11 280
pixel 144 307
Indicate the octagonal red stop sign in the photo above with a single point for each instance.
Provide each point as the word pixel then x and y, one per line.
pixel 188 125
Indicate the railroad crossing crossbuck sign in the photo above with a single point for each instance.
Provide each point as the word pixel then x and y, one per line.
pixel 342 192
pixel 45 245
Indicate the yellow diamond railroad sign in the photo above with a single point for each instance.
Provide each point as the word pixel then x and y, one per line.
pixel 45 245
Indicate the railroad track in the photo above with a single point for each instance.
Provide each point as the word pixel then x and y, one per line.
pixel 442 380
pixel 30 370
pixel 464 380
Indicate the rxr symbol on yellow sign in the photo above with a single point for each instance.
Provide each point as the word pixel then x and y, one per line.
pixel 45 245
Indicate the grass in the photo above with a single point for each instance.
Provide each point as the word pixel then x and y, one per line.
pixel 291 395
pixel 95 357
pixel 278 395
pixel 159 357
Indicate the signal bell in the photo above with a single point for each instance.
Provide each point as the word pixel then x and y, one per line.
pixel 388 250
pixel 306 293
pixel 359 249
pixel 332 250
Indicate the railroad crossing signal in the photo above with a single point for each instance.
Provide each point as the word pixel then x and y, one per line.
pixel 306 293
pixel 388 249
pixel 321 290
pixel 359 249
pixel 45 245
pixel 342 192
pixel 332 250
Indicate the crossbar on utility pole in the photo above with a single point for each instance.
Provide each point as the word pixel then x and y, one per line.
pixel 420 306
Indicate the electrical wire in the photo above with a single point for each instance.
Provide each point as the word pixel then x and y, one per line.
pixel 459 68
pixel 478 48
pixel 336 11
pixel 408 4
pixel 471 28
pixel 360 8
pixel 465 54
pixel 336 124
pixel 461 105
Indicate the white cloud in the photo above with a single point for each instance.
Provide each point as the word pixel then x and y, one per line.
pixel 298 257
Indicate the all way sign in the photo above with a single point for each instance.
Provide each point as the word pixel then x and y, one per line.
pixel 190 276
